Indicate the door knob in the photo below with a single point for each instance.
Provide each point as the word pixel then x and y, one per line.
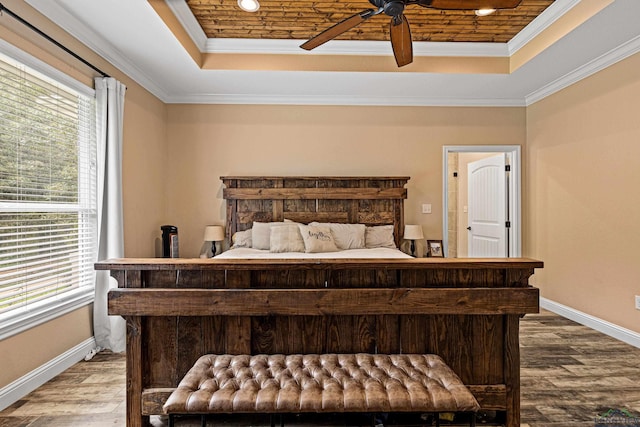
pixel 469 228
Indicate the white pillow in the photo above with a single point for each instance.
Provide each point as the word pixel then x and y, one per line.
pixel 317 238
pixel 241 239
pixel 286 238
pixel 261 234
pixel 346 236
pixel 379 236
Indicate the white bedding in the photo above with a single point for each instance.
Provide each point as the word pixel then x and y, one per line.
pixel 250 253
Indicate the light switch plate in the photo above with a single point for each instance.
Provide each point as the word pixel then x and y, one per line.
pixel 426 208
pixel 637 302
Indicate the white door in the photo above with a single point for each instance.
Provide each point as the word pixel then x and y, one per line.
pixel 487 207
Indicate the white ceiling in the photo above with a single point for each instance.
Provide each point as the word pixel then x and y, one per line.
pixel 130 35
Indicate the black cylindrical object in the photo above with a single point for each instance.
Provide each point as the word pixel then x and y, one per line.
pixel 169 241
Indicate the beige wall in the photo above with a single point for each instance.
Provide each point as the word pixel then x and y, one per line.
pixel 207 141
pixel 25 352
pixel 583 203
pixel 144 175
pixel 144 161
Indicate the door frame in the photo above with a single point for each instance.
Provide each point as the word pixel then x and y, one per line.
pixel 515 184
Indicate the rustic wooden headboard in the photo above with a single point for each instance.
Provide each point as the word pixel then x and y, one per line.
pixel 369 200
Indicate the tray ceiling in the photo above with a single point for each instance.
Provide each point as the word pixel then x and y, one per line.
pixel 302 19
pixel 256 59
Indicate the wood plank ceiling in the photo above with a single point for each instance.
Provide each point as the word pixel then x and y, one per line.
pixel 302 19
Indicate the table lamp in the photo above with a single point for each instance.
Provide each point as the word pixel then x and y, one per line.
pixel 413 233
pixel 213 234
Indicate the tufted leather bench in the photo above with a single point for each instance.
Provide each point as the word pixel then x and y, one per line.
pixel 320 383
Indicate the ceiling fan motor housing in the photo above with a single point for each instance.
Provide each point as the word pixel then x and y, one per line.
pixel 391 8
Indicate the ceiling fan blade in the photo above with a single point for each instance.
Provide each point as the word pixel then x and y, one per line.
pixel 401 40
pixel 339 28
pixel 470 4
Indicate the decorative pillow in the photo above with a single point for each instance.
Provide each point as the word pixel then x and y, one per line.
pixel 261 234
pixel 241 239
pixel 286 238
pixel 346 236
pixel 379 236
pixel 317 238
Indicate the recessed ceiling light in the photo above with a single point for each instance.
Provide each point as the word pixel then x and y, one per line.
pixel 484 12
pixel 249 5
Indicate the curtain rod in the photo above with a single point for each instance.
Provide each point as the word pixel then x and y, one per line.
pixel 60 45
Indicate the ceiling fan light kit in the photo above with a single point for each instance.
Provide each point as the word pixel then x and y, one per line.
pixel 484 12
pixel 400 32
pixel 249 5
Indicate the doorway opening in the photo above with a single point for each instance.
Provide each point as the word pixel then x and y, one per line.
pixel 457 231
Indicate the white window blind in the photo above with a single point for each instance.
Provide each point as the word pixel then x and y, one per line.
pixel 47 195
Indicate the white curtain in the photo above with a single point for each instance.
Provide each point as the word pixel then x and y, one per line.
pixel 109 331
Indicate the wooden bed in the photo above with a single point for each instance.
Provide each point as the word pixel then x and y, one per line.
pixel 465 310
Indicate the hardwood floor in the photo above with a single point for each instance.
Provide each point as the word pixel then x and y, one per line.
pixel 89 394
pixel 570 375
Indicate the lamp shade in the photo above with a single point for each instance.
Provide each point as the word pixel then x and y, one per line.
pixel 413 232
pixel 213 233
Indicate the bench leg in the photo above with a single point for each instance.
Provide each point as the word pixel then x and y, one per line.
pixel 272 420
pixel 437 419
pixel 171 420
pixel 203 421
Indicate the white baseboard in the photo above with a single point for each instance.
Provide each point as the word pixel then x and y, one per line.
pixel 607 328
pixel 24 385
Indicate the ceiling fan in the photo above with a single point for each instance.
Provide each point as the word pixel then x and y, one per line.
pixel 399 27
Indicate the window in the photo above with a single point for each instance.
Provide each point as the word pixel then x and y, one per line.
pixel 48 211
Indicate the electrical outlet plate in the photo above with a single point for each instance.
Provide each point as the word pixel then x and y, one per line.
pixel 637 302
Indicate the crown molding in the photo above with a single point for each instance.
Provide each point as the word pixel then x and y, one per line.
pixel 550 15
pixel 349 47
pixel 344 100
pixel 354 47
pixel 182 12
pixel 337 47
pixel 621 52
pixel 68 22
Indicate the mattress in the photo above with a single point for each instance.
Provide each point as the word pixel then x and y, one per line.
pixel 250 253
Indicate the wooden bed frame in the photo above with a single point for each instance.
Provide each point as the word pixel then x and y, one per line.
pixel 465 310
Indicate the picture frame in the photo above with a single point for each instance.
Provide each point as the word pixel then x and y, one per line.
pixel 434 248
